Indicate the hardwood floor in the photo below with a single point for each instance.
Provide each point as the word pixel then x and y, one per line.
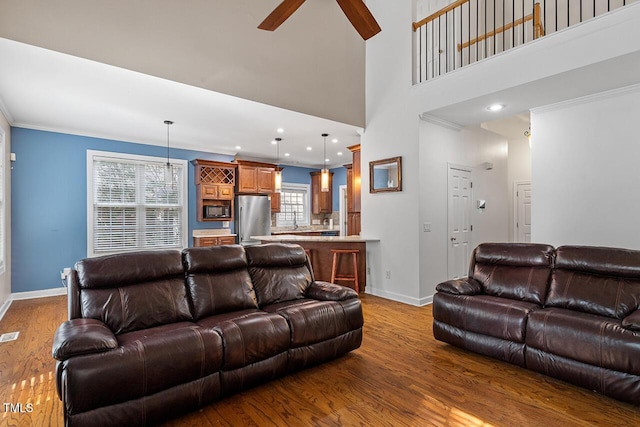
pixel 400 376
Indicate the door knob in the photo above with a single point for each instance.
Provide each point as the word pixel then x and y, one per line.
pixel 453 238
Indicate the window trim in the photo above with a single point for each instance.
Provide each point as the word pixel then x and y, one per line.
pixel 306 188
pixel 184 196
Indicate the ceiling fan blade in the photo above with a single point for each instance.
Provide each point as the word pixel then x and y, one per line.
pixel 361 18
pixel 280 14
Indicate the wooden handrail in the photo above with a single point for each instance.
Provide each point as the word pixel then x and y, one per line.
pixel 537 25
pixel 437 14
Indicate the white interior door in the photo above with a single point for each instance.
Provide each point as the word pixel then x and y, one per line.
pixel 459 221
pixel 523 212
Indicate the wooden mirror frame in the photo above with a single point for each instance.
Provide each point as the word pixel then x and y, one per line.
pixel 373 164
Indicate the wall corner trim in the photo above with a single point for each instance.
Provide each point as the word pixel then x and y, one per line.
pixel 440 122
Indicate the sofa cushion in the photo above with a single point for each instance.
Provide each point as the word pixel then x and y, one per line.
pixel 141 366
pixel 484 314
pixel 218 280
pixel 134 290
pixel 587 338
pixel 279 272
pixel 596 280
pixel 314 321
pixel 518 271
pixel 249 336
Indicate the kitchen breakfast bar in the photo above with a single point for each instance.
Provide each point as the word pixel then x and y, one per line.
pixel 319 250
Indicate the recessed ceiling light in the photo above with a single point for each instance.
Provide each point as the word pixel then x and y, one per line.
pixel 327 160
pixel 237 147
pixel 274 142
pixel 309 148
pixel 334 140
pixel 496 107
pixel 287 154
pixel 279 130
pixel 339 153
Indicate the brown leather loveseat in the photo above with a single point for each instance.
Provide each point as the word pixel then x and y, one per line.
pixel 155 334
pixel 572 312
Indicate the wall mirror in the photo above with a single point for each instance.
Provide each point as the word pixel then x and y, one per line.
pixel 385 175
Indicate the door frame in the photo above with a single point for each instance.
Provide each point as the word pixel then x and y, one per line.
pixel 515 207
pixel 342 209
pixel 468 169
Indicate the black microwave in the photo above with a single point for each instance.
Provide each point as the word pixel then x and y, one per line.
pixel 216 212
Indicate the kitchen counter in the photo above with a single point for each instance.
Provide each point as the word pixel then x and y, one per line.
pixel 212 232
pixel 302 238
pixel 321 257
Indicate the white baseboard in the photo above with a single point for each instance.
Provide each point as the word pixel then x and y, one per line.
pixel 5 307
pixel 39 294
pixel 418 302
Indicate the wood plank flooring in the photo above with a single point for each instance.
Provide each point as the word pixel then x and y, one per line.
pixel 400 376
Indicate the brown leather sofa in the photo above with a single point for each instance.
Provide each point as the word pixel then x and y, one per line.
pixel 570 313
pixel 155 334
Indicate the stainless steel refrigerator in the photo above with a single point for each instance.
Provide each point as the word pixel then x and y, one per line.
pixel 253 216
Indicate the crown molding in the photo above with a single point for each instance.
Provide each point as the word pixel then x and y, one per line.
pixel 441 122
pixel 587 99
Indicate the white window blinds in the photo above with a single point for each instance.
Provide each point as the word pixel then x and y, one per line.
pixel 136 203
pixel 294 204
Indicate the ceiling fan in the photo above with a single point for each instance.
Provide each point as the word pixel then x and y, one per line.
pixel 356 11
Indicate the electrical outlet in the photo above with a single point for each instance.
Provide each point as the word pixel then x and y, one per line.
pixel 368 270
pixel 426 227
pixel 387 274
pixel 64 273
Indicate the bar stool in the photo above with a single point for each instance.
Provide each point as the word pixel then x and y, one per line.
pixel 350 278
pixel 308 252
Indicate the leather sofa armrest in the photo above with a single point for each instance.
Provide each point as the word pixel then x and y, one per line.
pixel 632 321
pixel 82 336
pixel 326 291
pixel 466 286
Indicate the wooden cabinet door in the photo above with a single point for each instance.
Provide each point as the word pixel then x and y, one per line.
pixel 266 180
pixel 200 242
pixel 321 202
pixel 209 191
pixel 225 192
pixel 275 202
pixel 349 188
pixel 247 179
pixel 226 240
pixel 357 173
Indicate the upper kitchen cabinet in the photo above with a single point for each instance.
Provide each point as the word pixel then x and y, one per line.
pixel 321 202
pixel 353 192
pixel 255 177
pixel 215 182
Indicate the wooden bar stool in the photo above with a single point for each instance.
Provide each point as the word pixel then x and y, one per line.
pixel 350 278
pixel 308 252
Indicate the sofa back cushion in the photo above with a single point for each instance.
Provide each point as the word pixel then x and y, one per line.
pixel 218 280
pixel 596 280
pixel 133 291
pixel 279 272
pixel 518 271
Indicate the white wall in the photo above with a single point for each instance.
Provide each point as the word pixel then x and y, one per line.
pixel 417 260
pixel 519 170
pixel 472 147
pixel 585 171
pixel 5 278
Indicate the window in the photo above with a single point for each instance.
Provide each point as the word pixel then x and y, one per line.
pixel 135 203
pixel 294 203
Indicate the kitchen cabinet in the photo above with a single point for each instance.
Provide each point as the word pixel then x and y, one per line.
pixel 255 177
pixel 353 192
pixel 275 202
pixel 321 202
pixel 215 182
pixel 200 242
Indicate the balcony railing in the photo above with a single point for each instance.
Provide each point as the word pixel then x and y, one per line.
pixel 467 31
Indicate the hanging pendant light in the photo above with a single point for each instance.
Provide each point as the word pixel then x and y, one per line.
pixel 324 175
pixel 168 173
pixel 278 173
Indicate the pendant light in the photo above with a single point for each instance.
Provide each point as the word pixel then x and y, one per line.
pixel 278 173
pixel 168 173
pixel 324 176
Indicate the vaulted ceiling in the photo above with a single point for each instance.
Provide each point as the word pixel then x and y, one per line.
pixel 203 64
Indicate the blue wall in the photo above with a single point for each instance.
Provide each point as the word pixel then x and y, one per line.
pixel 49 200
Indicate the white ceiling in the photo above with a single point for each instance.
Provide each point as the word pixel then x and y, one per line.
pixel 47 90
